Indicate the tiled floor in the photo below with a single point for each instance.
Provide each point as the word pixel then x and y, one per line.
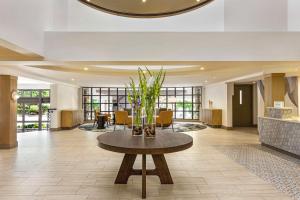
pixel 69 165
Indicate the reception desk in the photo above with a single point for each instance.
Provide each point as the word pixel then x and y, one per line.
pixel 283 134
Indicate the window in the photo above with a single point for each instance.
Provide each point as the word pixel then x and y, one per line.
pixel 185 101
pixel 32 110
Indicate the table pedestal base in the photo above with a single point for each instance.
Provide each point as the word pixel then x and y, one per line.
pixel 161 170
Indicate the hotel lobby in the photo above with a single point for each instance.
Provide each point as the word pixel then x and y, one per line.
pixel 150 99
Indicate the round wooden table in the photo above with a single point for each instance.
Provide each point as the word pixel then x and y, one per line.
pixel 131 146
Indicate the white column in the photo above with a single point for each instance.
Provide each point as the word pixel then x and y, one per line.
pixel 230 93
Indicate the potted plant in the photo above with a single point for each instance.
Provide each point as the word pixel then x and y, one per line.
pixel 151 94
pixel 134 98
pixel 143 98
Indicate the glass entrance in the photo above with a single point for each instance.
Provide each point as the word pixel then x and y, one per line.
pixel 32 110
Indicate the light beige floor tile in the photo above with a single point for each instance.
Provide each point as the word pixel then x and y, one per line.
pixel 57 190
pixel 69 165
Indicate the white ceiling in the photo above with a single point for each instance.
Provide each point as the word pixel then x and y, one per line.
pixel 150 67
pixel 71 36
pixel 213 72
pixel 24 80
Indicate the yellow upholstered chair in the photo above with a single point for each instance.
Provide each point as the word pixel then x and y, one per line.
pixel 165 119
pixel 122 118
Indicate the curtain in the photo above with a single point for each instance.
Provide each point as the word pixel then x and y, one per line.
pixel 291 88
pixel 261 87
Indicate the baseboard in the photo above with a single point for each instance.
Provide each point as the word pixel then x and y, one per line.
pixel 281 151
pixel 8 146
pixel 55 129
pixel 227 128
pixel 70 128
pixel 64 128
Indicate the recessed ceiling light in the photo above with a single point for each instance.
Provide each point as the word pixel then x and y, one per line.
pixel 202 68
pixel 198 0
pixel 85 69
pixel 144 1
pixel 88 0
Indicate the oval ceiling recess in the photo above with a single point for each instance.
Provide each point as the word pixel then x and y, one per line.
pixel 145 8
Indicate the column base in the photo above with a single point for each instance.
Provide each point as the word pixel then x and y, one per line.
pixel 8 146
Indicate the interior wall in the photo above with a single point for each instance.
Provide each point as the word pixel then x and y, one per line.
pixel 217 93
pixel 58 20
pixel 63 97
pixel 172 46
pixel 256 15
pixel 229 111
pixel 293 15
pixel 255 104
pixel 23 23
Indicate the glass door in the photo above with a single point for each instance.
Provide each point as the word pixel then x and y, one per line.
pixel 32 110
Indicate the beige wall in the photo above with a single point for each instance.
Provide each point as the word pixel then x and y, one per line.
pixel 221 96
pixel 63 97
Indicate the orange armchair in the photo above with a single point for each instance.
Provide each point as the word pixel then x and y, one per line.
pixel 122 118
pixel 165 119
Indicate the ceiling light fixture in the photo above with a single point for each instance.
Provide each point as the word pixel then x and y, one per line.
pixel 85 69
pixel 202 68
pixel 153 8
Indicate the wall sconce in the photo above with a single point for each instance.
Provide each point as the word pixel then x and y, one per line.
pixel 14 95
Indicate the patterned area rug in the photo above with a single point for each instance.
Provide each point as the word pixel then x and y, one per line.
pixel 178 127
pixel 281 170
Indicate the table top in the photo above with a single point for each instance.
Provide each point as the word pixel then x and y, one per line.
pixel 164 142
